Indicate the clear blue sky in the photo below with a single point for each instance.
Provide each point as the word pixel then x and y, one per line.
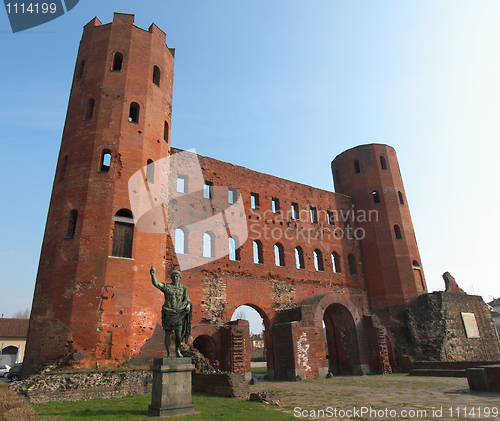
pixel 282 87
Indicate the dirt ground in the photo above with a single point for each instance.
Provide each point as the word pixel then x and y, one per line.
pixel 384 397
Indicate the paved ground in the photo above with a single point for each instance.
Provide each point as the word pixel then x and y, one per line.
pixel 395 396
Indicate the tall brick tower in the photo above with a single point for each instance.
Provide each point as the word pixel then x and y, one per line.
pixel 89 303
pixel 391 262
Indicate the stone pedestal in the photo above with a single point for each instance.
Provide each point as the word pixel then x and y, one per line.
pixel 171 387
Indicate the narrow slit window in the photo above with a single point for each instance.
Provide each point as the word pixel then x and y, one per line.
pixel 64 165
pixel 336 263
pixel 123 234
pixel 299 258
pixel 383 162
pixel 133 115
pixel 150 171
pixel 117 62
pixel 357 168
pixel 89 112
pixel 105 163
pixel 376 196
pixel 401 200
pixel 279 254
pixel 258 256
pixel 79 72
pixel 254 201
pixel 165 131
pixel 353 267
pixel 397 232
pixel 318 261
pixel 71 227
pixel 156 75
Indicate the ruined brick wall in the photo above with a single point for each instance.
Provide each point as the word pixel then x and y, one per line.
pixel 437 330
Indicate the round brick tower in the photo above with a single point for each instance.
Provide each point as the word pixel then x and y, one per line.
pixel 89 303
pixel 391 262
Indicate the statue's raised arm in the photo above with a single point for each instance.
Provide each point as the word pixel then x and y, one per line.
pixel 154 281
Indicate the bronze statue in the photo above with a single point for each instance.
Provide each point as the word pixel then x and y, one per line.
pixel 177 311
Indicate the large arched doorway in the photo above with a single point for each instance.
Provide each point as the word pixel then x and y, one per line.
pixel 262 357
pixel 341 340
pixel 207 346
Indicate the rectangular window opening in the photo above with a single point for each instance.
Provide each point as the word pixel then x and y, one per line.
pixel 275 205
pixel 314 215
pixel 181 184
pixel 207 190
pixel 254 201
pixel 232 195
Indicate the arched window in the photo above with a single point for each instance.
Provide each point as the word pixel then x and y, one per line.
pixel 156 75
pixel 181 241
pixel 415 265
pixel 383 162
pixel 90 109
pixel 397 232
pixel 234 249
pixel 258 257
pixel 353 267
pixel 318 261
pixel 133 115
pixel 165 131
pixel 123 233
pixel 299 258
pixel 401 200
pixel 357 168
pixel 279 254
pixel 376 196
pixel 150 171
pixel 105 163
pixel 337 268
pixel 117 62
pixel 71 227
pixel 208 245
pixel 79 71
pixel 64 165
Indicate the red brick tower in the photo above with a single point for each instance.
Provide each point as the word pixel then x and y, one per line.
pixel 89 303
pixel 391 262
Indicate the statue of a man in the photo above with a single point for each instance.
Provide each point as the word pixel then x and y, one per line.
pixel 177 311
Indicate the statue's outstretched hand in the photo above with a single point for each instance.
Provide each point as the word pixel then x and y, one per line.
pixel 152 270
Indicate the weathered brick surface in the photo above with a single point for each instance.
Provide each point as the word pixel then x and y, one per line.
pixel 438 333
pixel 92 309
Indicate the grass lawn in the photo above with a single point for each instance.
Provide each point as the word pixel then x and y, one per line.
pixel 208 407
pixel 259 370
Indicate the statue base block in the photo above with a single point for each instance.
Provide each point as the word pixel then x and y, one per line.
pixel 171 387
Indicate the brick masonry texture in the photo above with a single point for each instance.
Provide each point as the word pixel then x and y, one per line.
pixel 359 270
